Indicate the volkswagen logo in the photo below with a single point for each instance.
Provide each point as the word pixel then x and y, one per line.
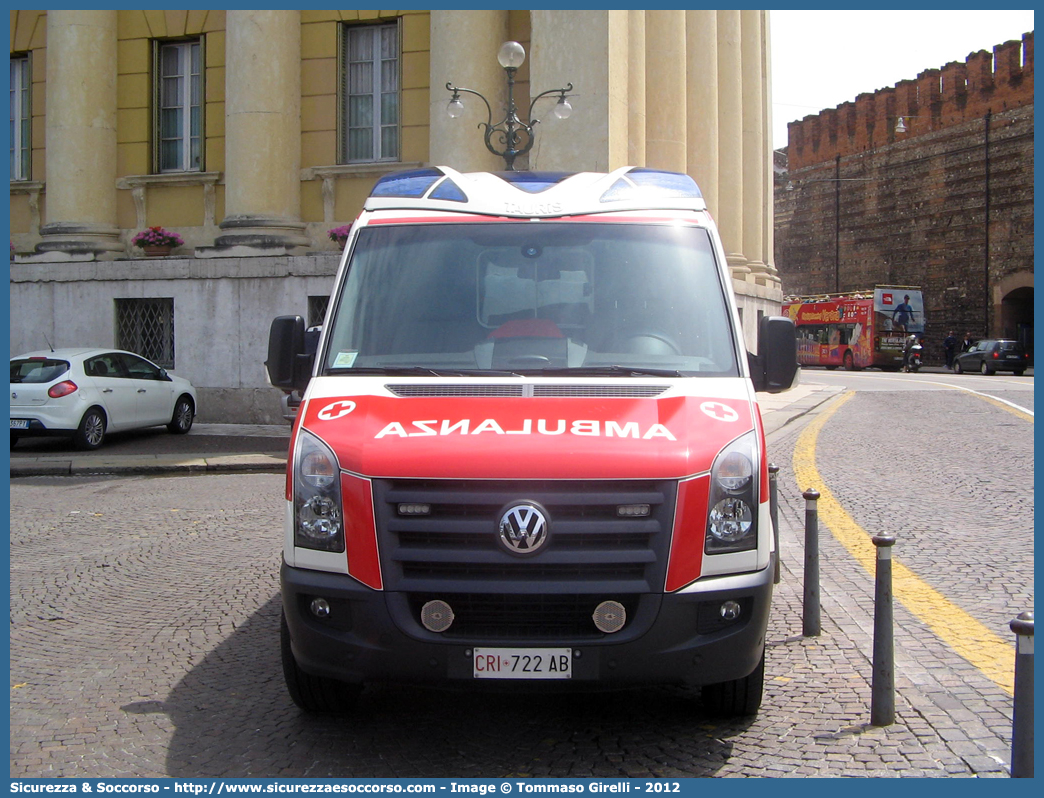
pixel 524 528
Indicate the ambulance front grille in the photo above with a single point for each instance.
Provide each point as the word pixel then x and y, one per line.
pixel 456 547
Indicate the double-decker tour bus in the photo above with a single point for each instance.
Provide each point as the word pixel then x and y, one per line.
pixel 857 329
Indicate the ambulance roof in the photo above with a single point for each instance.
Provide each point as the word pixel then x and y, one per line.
pixel 536 194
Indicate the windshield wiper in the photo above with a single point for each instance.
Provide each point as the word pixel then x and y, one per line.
pixel 616 371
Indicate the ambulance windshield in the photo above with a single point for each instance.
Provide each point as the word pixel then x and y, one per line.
pixel 532 297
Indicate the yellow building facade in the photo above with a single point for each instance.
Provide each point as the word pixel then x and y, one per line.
pixel 681 90
pixel 269 126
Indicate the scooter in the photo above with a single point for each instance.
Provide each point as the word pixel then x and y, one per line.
pixel 913 362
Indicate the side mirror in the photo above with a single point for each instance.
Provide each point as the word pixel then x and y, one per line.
pixel 775 368
pixel 286 343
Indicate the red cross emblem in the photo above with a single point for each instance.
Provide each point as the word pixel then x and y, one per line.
pixel 336 410
pixel 719 412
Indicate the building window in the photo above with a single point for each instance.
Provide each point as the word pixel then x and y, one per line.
pixel 317 309
pixel 146 327
pixel 179 106
pixel 371 93
pixel 20 116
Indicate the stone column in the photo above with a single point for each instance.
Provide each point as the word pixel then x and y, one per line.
pixel 262 130
pixel 701 61
pixel 588 49
pixel 636 117
pixel 752 143
pixel 730 140
pixel 458 142
pixel 80 134
pixel 665 107
pixel 768 173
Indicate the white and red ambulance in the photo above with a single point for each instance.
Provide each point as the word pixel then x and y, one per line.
pixel 529 452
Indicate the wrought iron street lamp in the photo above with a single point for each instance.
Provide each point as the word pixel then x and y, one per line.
pixel 515 136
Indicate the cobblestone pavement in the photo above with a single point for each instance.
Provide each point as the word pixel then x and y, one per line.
pixel 144 642
pixel 960 504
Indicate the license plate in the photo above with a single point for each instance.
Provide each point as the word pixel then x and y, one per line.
pixel 1011 357
pixel 19 423
pixel 523 663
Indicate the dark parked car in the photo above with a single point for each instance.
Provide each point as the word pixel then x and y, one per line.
pixel 991 355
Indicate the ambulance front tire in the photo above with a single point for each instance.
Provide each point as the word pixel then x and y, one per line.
pixel 313 693
pixel 738 697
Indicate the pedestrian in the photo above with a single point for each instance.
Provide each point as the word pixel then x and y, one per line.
pixel 950 348
pixel 967 343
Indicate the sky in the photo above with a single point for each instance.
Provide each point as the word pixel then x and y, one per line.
pixel 821 59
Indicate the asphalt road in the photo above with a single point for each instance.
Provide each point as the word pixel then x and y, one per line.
pixel 144 629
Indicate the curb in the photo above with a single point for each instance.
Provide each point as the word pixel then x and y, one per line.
pixel 776 418
pixel 128 465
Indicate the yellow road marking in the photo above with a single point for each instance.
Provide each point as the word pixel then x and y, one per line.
pixel 1010 407
pixel 972 640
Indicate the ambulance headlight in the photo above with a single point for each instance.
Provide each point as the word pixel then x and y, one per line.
pixel 318 521
pixel 730 520
pixel 732 504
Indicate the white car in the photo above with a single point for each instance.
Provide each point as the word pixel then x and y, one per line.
pixel 86 393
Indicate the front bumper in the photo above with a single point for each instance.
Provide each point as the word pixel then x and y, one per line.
pixel 374 636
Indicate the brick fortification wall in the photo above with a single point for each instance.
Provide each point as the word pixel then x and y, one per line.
pixel 870 206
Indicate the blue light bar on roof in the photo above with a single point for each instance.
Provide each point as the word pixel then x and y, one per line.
pixel 650 184
pixel 406 184
pixel 448 190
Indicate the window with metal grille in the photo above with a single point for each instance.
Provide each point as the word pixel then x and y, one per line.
pixel 179 106
pixel 20 117
pixel 146 327
pixel 370 80
pixel 317 309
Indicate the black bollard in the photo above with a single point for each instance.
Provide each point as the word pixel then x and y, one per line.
pixel 773 471
pixel 1022 719
pixel 810 625
pixel 882 690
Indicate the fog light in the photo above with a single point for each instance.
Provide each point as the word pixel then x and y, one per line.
pixel 609 617
pixel 320 608
pixel 437 616
pixel 730 610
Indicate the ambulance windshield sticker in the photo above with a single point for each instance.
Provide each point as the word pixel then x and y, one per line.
pixel 345 360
